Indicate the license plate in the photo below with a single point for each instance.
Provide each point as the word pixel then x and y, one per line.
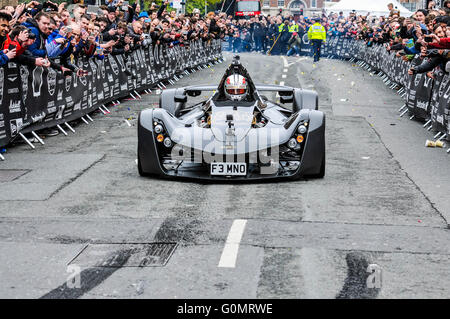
pixel 229 169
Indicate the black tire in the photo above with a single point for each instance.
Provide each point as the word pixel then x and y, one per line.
pixel 322 169
pixel 141 172
pixel 321 173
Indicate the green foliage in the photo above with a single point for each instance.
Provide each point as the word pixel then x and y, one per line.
pixel 200 4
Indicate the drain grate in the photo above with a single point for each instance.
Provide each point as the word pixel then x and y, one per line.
pixel 8 175
pixel 124 255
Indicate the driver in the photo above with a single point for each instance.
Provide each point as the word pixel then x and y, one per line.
pixel 236 87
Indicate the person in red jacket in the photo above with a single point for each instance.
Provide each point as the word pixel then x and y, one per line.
pixel 443 43
pixel 16 39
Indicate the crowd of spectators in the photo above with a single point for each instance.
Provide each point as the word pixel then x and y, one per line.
pixel 426 32
pixel 45 33
pixel 37 33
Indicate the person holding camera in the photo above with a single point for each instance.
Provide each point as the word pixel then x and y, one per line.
pixel 58 44
pixel 136 32
pixel 39 26
pixel 436 56
pixel 12 45
pixel 294 43
pixel 120 46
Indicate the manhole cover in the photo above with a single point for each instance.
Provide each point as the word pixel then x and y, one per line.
pixel 124 255
pixel 8 175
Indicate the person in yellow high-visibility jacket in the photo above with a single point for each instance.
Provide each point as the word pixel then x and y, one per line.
pixel 293 28
pixel 317 34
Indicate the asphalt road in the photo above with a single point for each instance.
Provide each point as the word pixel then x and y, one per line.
pixel 77 204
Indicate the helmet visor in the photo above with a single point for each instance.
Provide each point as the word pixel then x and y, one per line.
pixel 236 91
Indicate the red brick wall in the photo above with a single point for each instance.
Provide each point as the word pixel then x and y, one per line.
pixel 8 3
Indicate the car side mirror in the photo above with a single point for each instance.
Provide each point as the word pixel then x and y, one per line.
pixel 180 98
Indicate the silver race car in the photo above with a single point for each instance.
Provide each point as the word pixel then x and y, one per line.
pixel 235 134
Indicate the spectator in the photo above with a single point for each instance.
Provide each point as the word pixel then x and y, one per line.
pixel 294 43
pixel 5 18
pixel 78 11
pixel 258 35
pixel 6 54
pixel 39 26
pixel 17 40
pixel 65 17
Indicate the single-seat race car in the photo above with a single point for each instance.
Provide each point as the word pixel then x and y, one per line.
pixel 235 134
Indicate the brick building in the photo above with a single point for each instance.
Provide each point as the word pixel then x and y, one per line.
pixel 294 7
pixel 413 5
pixel 8 3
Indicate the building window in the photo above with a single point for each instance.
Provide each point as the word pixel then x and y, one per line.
pixel 411 6
pixel 266 3
pixel 281 3
pixel 297 5
pixel 313 3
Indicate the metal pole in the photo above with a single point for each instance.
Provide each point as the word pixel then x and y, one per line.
pixel 61 129
pixel 26 140
pixel 229 6
pixel 84 120
pixel 37 137
pixel 268 53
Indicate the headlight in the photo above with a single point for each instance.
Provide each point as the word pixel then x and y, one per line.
pixel 292 143
pixel 167 142
pixel 301 129
pixel 158 128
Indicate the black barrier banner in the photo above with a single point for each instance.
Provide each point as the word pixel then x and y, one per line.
pixel 418 92
pixel 37 98
pixel 425 98
pixel 440 102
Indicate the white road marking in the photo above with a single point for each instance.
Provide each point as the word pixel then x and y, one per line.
pixel 282 83
pixel 284 76
pixel 230 251
pixel 285 62
pixel 285 70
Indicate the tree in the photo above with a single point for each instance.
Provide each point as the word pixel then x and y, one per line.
pixel 200 4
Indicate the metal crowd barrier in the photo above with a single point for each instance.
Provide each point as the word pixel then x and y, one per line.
pixel 36 98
